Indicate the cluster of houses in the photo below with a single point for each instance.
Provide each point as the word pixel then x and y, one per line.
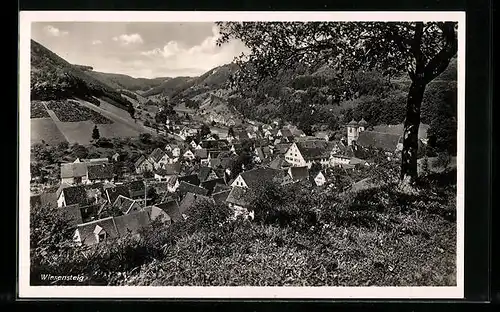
pixel 100 208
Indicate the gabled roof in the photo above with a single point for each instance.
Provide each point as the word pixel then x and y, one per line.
pixel 385 141
pixel 185 187
pixel 154 212
pixel 278 163
pixel 86 230
pixel 281 148
pixel 100 171
pixel 255 176
pixel 136 188
pixel 399 129
pixel 75 195
pixel 191 200
pixel 201 153
pixel 131 223
pixel 157 155
pixel 124 204
pixel 171 208
pixel 220 197
pixel 220 187
pixel 238 196
pixel 140 160
pixel 113 193
pixel 210 184
pixel 44 199
pixel 72 214
pixel 312 150
pixel 298 173
pixel 286 133
pixel 170 169
pixel 191 179
pixel 73 170
pixel 204 173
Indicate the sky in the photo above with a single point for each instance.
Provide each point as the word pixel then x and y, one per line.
pixel 138 49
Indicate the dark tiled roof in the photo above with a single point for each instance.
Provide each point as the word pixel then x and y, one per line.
pixel 204 173
pixel 191 179
pixel 185 187
pixel 124 204
pixel 221 187
pixel 282 148
pixel 136 188
pixel 44 199
pixel 157 154
pixel 100 171
pixel 191 200
pixel 86 230
pixel 215 162
pixel 114 192
pixel 299 173
pixel 210 184
pixel 220 197
pixel 75 195
pixel 238 196
pixel 201 153
pixel 72 170
pixel 155 212
pixel 255 176
pixel 286 133
pixel 171 208
pixel 316 149
pixel 72 214
pixel 131 223
pixel 385 141
pixel 170 169
pixel 89 212
pixel 399 129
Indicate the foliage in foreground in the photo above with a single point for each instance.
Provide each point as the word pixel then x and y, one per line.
pixel 379 236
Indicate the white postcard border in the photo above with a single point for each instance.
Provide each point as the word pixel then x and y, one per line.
pixel 27 291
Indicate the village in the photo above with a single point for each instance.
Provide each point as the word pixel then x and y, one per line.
pixel 203 165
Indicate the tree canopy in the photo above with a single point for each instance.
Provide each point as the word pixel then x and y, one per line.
pixel 421 49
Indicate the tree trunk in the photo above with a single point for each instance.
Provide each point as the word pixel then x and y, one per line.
pixel 410 136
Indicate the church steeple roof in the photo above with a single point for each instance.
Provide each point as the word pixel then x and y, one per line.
pixel 352 123
pixel 362 122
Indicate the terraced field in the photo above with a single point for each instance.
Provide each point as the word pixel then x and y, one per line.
pixel 38 110
pixel 71 111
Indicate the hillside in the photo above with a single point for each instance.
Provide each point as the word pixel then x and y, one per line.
pixel 188 87
pixel 53 78
pixel 119 81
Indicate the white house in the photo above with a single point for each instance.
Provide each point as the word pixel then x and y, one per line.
pixel 320 179
pixel 159 158
pixel 336 160
pixel 143 165
pixel 188 154
pixel 305 153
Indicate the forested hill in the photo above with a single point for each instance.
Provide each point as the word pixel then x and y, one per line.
pixel 120 81
pixel 53 78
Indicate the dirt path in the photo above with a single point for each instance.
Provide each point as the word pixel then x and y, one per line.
pixel 56 120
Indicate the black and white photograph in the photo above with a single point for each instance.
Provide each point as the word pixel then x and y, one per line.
pixel 241 154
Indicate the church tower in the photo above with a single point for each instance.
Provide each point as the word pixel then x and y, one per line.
pixel 362 125
pixel 352 132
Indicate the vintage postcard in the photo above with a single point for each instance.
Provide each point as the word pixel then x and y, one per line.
pixel 241 154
